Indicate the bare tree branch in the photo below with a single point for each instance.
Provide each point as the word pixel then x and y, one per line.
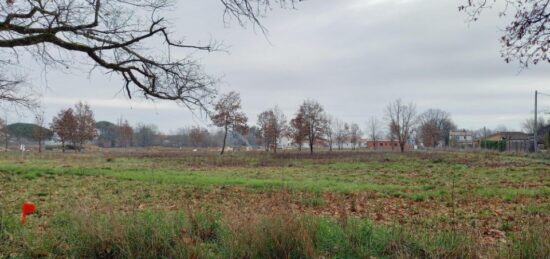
pixel 114 35
pixel 15 93
pixel 526 38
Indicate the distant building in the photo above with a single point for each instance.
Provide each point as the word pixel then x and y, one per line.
pixel 514 141
pixel 509 136
pixel 461 139
pixel 384 144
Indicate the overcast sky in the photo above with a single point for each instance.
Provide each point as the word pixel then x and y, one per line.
pixel 353 56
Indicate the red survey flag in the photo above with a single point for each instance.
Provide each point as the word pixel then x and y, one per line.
pixel 27 209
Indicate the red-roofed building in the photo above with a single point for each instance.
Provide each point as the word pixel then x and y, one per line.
pixel 384 144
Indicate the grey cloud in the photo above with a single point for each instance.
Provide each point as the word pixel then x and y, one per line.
pixel 354 56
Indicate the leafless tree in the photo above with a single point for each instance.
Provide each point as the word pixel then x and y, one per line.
pixel 85 130
pixel 314 121
pixel 373 130
pixel 341 131
pixel 197 135
pixel 65 125
pixel 15 93
pixel 501 128
pixel 527 37
pixel 402 119
pixel 228 115
pixel 5 133
pixel 434 127
pixel 355 135
pixel 115 35
pixel 39 133
pixel 280 126
pixel 482 133
pixel 528 125
pixel 329 130
pixel 146 135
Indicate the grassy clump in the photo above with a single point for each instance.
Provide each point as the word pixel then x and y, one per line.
pixel 204 234
pixel 314 200
pixel 532 243
pixel 144 235
pixel 270 237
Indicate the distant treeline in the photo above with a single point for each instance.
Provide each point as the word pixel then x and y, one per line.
pixel 111 135
pixel 309 126
pixel 147 135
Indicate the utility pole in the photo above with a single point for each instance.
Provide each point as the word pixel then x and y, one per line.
pixel 6 133
pixel 484 137
pixel 535 128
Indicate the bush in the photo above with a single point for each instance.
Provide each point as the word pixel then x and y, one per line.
pixel 499 145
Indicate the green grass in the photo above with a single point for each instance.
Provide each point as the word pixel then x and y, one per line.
pixel 257 205
pixel 151 234
pixel 400 174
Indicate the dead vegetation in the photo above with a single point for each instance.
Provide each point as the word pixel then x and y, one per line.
pixel 493 207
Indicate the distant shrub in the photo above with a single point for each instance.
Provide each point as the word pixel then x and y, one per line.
pixel 499 145
pixel 315 201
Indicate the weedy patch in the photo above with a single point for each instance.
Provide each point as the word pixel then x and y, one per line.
pixel 256 205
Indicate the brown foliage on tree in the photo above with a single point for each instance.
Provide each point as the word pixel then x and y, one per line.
pixel 197 135
pixel 65 126
pixel 85 129
pixel 272 124
pixel 402 118
pixel 228 115
pixel 298 131
pixel 434 127
pixel 314 122
pixel 125 133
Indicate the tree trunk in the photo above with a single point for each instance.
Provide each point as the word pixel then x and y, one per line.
pixel 7 141
pixel 63 146
pixel 402 147
pixel 39 146
pixel 311 148
pixel 224 139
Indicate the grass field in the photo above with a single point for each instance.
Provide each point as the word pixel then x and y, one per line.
pixel 171 203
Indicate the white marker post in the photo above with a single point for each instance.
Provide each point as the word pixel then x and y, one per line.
pixel 22 148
